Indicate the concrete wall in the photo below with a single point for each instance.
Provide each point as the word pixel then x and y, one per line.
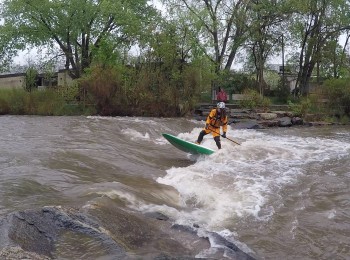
pixel 17 80
pixel 63 78
pixel 12 80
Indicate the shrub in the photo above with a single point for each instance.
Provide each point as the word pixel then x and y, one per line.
pixel 282 92
pixel 338 93
pixel 31 77
pixel 301 108
pixel 4 106
pixel 38 102
pixel 69 93
pixel 102 83
pixel 254 100
pixel 236 82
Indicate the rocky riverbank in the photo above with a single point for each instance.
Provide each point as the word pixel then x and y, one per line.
pixel 251 119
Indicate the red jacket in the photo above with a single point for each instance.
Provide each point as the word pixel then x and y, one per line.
pixel 221 96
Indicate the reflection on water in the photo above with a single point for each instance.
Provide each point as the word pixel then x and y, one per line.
pixel 282 193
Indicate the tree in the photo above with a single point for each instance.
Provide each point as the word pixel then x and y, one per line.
pixel 315 24
pixel 77 27
pixel 334 62
pixel 8 45
pixel 267 18
pixel 31 79
pixel 220 27
pixel 175 67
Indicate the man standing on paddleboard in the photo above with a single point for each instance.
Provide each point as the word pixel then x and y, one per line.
pixel 216 119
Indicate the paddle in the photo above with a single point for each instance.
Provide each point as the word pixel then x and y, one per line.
pixel 225 137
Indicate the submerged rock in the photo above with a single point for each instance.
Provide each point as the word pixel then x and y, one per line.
pixel 37 230
pixel 37 233
pixel 10 253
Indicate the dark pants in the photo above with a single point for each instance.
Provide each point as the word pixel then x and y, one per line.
pixel 216 138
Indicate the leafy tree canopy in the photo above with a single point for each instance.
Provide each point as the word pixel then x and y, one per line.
pixel 77 28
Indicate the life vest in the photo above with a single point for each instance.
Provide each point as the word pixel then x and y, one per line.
pixel 216 120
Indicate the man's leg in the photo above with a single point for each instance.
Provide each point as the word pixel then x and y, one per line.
pixel 200 137
pixel 217 141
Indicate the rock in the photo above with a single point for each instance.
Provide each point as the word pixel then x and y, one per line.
pixel 37 230
pixel 157 215
pixel 33 234
pixel 234 252
pixel 283 113
pixel 248 119
pixel 297 121
pixel 251 124
pixel 240 115
pixel 267 116
pixel 269 123
pixel 10 253
pixel 285 121
pixel 319 123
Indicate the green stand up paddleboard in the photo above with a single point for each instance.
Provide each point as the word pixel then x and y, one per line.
pixel 186 146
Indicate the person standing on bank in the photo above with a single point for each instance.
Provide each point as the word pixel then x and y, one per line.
pixel 221 96
pixel 217 118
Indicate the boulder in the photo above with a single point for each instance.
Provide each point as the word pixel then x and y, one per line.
pixel 250 124
pixel 45 233
pixel 269 123
pixel 285 121
pixel 267 116
pixel 297 121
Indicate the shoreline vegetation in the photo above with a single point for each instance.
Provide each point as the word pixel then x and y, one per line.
pixel 178 60
pixel 252 112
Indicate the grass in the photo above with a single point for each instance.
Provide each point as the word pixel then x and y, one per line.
pixel 48 102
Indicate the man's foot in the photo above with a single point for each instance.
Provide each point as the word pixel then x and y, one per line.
pixel 196 142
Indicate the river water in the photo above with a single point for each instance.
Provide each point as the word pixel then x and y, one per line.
pixel 282 194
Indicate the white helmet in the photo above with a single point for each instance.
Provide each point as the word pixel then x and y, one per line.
pixel 221 105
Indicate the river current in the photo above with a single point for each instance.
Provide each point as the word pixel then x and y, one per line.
pixel 284 193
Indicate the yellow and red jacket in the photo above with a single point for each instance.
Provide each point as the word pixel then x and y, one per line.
pixel 215 122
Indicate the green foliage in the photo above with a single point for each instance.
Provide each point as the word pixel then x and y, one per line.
pixel 41 102
pixel 76 27
pixel 177 60
pixel 236 82
pixel 16 100
pixel 254 100
pixel 30 81
pixel 102 82
pixel 149 89
pixel 282 92
pixel 107 53
pixel 316 26
pixel 345 120
pixel 4 106
pixel 301 108
pixel 272 79
pixel 338 94
pixel 49 73
pixel 69 93
pixel 334 62
pixel 213 25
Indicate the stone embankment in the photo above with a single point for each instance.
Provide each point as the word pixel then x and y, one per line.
pixel 254 119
